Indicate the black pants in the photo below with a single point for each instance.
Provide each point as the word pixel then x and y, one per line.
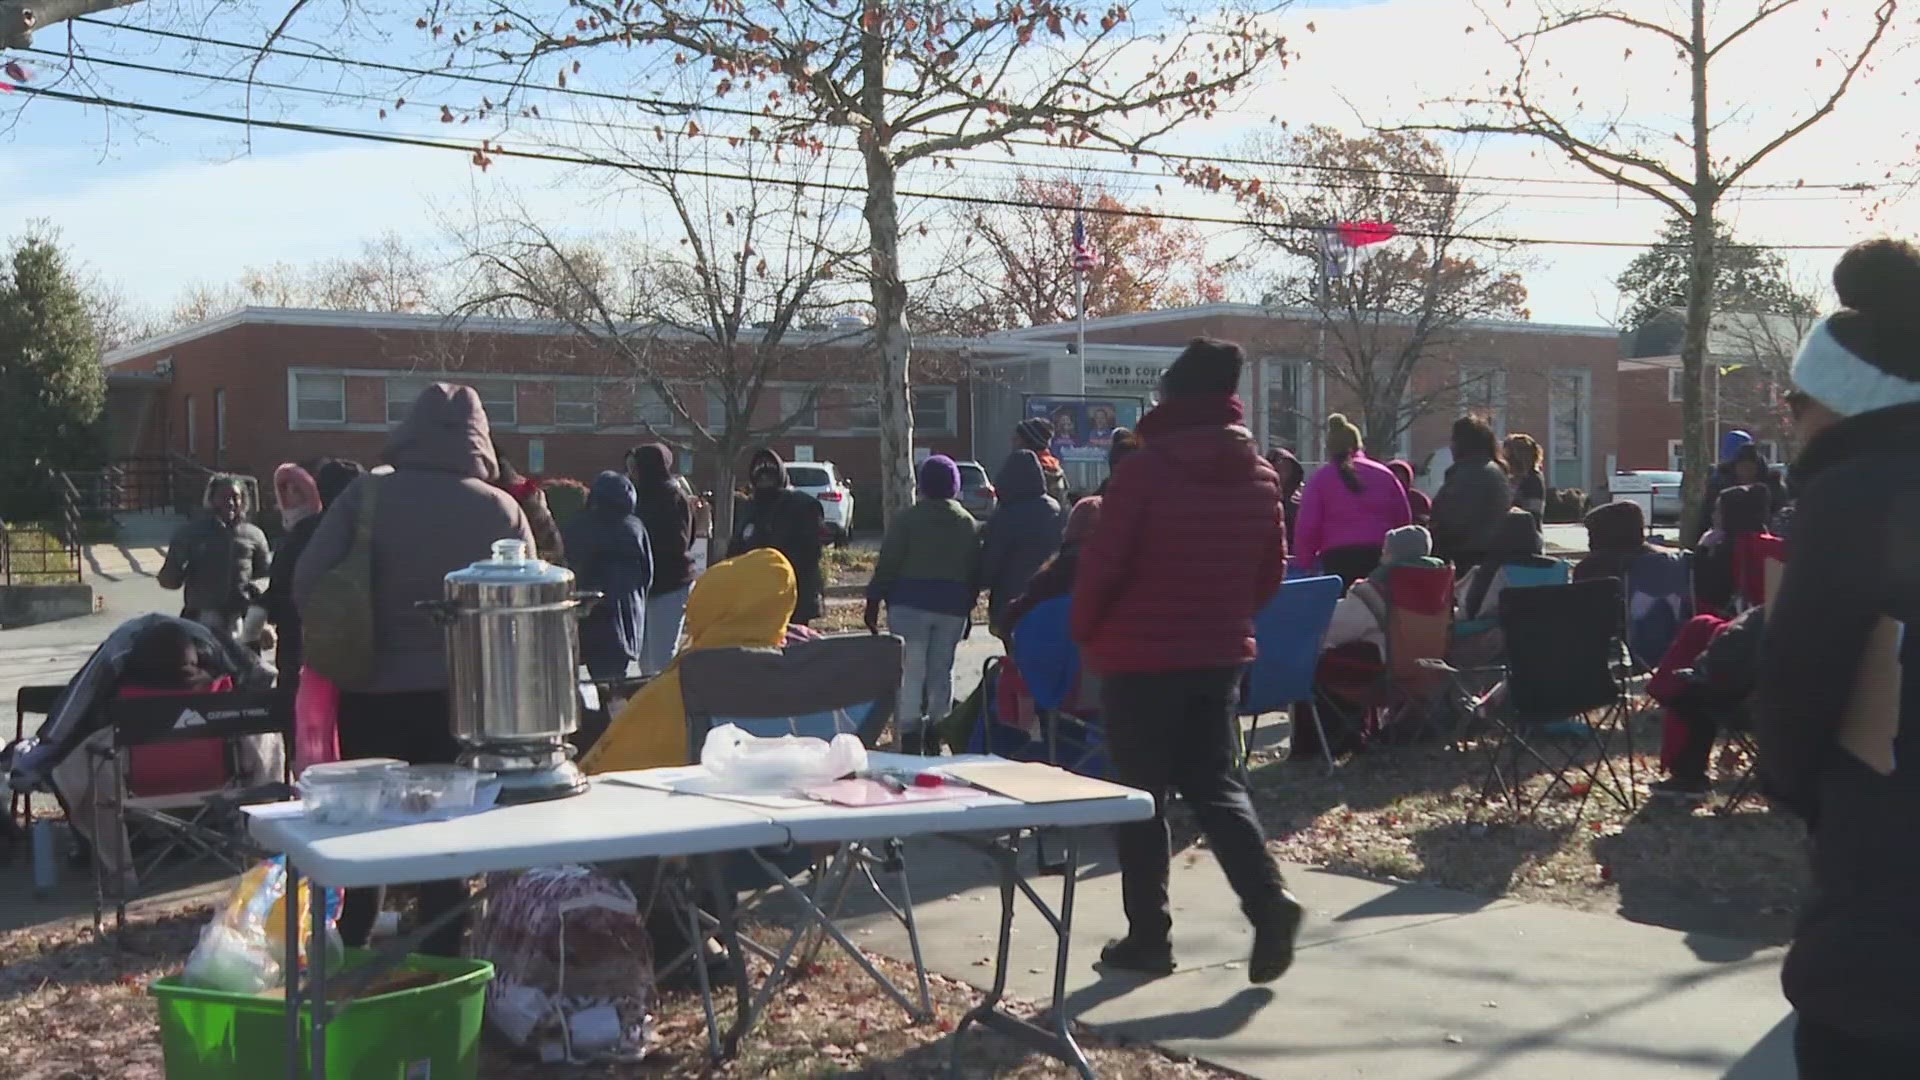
pixel 1827 1053
pixel 1175 732
pixel 1690 761
pixel 414 727
pixel 1350 564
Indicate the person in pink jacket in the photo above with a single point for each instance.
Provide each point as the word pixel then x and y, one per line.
pixel 1348 507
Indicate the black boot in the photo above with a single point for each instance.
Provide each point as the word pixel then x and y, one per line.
pixel 1133 954
pixel 1274 932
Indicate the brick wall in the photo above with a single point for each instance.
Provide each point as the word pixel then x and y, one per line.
pixel 1650 413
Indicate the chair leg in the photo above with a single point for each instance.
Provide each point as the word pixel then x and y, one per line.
pixel 1320 727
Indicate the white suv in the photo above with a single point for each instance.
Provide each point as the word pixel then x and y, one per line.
pixel 822 481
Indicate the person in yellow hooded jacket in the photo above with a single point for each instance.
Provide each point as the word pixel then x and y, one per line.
pixel 744 602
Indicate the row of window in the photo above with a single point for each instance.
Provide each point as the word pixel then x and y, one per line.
pixel 322 399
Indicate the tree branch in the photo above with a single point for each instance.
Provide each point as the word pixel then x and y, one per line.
pixel 1882 18
pixel 20 18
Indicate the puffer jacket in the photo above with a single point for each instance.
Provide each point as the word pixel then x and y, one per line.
pixel 1022 534
pixel 790 522
pixel 1838 720
pixel 438 512
pixel 1191 544
pixel 608 548
pixel 664 510
pixel 1471 504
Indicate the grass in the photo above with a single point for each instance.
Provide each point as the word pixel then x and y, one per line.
pixel 1415 814
pixel 73 1009
pixel 37 556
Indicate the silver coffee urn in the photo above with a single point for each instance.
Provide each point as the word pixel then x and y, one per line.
pixel 512 640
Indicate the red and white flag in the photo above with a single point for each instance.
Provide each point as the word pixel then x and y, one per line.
pixel 1085 255
pixel 1346 246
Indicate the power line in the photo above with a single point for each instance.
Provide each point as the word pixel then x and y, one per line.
pixel 686 107
pixel 1070 169
pixel 489 150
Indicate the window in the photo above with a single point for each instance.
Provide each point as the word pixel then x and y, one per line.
pixel 400 395
pixel 319 399
pixel 716 409
pixel 863 413
pixel 576 404
pixel 193 427
pixel 932 411
pixel 219 423
pixel 500 400
pixel 1673 454
pixel 1287 405
pixel 1483 393
pixel 650 409
pixel 808 476
pixel 1676 385
pixel 805 413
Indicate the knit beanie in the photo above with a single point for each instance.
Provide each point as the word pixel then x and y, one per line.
pixel 334 477
pixel 1035 433
pixel 1616 527
pixel 1732 443
pixel 1865 357
pixel 1407 543
pixel 939 477
pixel 1342 436
pixel 1205 366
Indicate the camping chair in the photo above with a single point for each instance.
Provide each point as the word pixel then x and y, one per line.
pixel 1658 600
pixel 39 701
pixel 1288 633
pixel 1419 604
pixel 1562 646
pixel 1519 576
pixel 175 762
pixel 1757 560
pixel 1049 662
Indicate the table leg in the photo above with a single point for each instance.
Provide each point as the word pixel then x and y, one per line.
pixel 317 965
pixel 1057 1040
pixel 691 909
pixel 730 940
pixel 290 964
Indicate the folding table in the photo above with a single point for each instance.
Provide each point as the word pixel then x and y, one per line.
pixel 636 815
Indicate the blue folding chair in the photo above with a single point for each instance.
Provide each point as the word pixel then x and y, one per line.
pixel 1049 662
pixel 1659 601
pixel 1288 634
pixel 1519 576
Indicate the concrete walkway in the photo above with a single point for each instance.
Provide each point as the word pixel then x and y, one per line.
pixel 1409 982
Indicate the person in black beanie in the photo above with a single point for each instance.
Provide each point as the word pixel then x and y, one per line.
pixel 1191 544
pixel 1036 434
pixel 1838 722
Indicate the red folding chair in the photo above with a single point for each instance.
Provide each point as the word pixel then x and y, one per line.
pixel 1752 557
pixel 1419 618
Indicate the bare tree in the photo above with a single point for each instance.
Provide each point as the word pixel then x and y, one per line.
pixel 1682 171
pixel 1400 311
pixel 748 301
pixel 20 18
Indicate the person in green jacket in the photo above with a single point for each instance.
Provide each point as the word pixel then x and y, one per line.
pixel 926 576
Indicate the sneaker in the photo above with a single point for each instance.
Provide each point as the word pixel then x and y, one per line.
pixel 1681 789
pixel 1273 937
pixel 1134 954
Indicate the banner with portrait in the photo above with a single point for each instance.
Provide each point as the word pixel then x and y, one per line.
pixel 1083 427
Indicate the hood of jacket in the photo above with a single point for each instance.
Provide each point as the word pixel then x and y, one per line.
pixel 1517 537
pixel 766 456
pixel 612 492
pixel 1021 477
pixel 1202 436
pixel 652 465
pixel 744 602
pixel 445 431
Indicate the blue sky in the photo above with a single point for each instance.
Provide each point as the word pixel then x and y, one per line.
pixel 157 204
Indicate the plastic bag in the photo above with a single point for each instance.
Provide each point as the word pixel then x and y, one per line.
pixel 741 760
pixel 240 951
pixel 316 721
pixel 573 965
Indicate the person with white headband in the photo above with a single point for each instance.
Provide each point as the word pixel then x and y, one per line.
pixel 1838 724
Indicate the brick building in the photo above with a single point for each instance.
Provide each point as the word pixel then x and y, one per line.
pixel 259 386
pixel 1557 383
pixel 1748 357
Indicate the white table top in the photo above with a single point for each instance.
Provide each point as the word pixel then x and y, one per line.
pixel 639 814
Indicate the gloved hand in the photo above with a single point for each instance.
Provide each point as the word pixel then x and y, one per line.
pixel 873 615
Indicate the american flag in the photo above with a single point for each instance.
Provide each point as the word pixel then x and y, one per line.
pixel 1085 255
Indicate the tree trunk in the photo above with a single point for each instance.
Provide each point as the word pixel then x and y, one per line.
pixel 892 339
pixel 1696 450
pixel 1381 423
pixel 20 18
pixel 724 479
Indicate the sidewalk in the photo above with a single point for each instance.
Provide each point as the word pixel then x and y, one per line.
pixel 1408 982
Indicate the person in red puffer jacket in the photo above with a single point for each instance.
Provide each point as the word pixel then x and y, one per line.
pixel 1190 545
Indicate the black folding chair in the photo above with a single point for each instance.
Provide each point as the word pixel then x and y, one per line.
pixel 29 701
pixel 200 825
pixel 1565 697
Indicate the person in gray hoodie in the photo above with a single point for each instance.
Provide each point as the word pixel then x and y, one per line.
pixel 437 512
pixel 1022 534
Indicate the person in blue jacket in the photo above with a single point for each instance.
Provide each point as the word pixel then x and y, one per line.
pixel 607 549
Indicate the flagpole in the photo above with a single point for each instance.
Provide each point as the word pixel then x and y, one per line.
pixel 1080 295
pixel 1320 345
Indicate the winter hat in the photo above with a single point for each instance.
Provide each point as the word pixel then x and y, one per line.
pixel 1516 537
pixel 1036 433
pixel 1342 436
pixel 939 477
pixel 1081 521
pixel 1125 441
pixel 1407 543
pixel 1292 473
pixel 1616 527
pixel 1205 366
pixel 334 476
pixel 295 493
pixel 1731 444
pixel 1863 357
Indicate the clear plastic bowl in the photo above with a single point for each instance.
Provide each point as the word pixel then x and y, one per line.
pixel 346 792
pixel 431 789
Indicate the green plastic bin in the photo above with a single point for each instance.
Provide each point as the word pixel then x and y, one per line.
pixel 427 1033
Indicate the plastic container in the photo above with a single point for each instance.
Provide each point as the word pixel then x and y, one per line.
pixel 414 790
pixel 346 792
pixel 430 1031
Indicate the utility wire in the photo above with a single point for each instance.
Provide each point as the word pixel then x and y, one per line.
pixel 687 107
pixel 489 149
